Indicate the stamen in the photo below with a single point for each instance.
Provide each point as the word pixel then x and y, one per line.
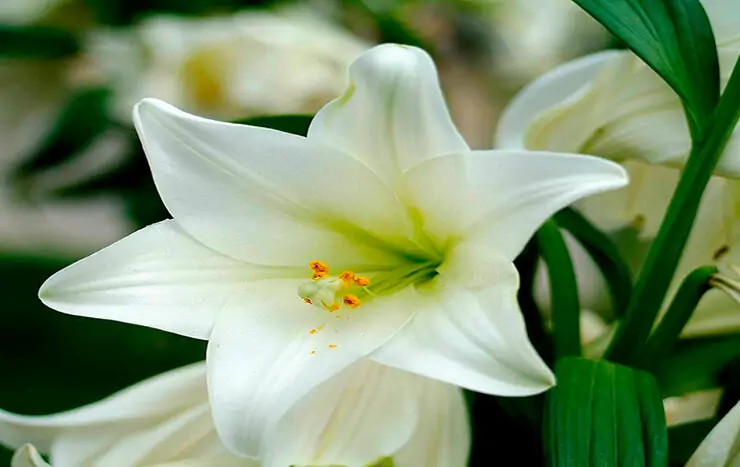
pixel 319 274
pixel 313 352
pixel 308 300
pixel 332 346
pixel 351 300
pixel 362 281
pixel 333 307
pixel 347 277
pixel 319 266
pixel 313 331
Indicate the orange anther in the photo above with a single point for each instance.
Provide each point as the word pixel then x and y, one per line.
pixel 319 266
pixel 318 275
pixel 308 300
pixel 333 307
pixel 362 281
pixel 347 276
pixel 332 346
pixel 351 300
pixel 313 331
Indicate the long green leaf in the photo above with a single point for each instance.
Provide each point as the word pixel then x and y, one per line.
pixel 563 290
pixel 605 254
pixel 675 38
pixel 662 340
pixel 604 414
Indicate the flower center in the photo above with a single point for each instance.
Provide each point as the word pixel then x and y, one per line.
pixel 328 292
pixel 348 289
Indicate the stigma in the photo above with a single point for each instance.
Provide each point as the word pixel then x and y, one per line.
pixel 331 292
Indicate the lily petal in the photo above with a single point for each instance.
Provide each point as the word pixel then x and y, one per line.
pixel 443 436
pixel 28 456
pixel 393 114
pixel 366 412
pixel 264 196
pixel 182 435
pixel 549 90
pixel 158 277
pixel 470 331
pixel 721 448
pixel 269 349
pixel 502 197
pixel 164 418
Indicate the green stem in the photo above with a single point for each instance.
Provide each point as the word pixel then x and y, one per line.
pixel 662 340
pixel 605 254
pixel 660 266
pixel 563 290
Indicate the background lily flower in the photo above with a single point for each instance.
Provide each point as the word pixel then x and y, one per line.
pixel 352 419
pixel 227 67
pixel 380 236
pixel 721 448
pixel 612 105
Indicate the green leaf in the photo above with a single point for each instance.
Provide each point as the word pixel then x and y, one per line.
pixel 563 290
pixel 605 254
pixel 81 121
pixel 696 364
pixel 604 414
pixel 36 42
pixel 675 38
pixel 662 340
pixel 294 124
pixel 660 265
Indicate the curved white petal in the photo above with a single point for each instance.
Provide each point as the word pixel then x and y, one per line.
pixel 179 436
pixel 393 114
pixel 470 331
pixel 149 399
pixel 162 419
pixel 721 448
pixel 269 349
pixel 267 197
pixel 442 438
pixel 158 277
pixel 547 91
pixel 501 197
pixel 28 456
pixel 364 413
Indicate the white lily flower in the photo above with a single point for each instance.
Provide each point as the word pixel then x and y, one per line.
pixel 227 67
pixel 410 236
pixel 721 448
pixel 353 419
